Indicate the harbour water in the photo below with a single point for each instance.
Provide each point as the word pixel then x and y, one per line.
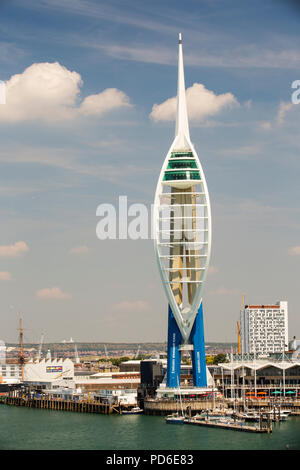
pixel 26 428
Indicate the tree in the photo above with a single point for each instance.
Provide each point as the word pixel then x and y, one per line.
pixel 209 360
pixel 219 358
pixel 116 361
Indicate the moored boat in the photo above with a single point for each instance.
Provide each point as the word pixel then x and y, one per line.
pixel 174 419
pixel 133 411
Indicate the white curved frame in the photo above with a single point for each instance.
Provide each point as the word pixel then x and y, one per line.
pixel 185 324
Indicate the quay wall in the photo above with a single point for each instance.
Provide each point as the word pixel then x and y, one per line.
pixel 165 407
pixel 62 405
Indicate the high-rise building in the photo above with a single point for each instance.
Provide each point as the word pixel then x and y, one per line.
pixel 264 328
pixel 182 233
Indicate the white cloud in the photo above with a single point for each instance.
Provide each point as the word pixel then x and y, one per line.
pixel 266 125
pixel 79 250
pixel 213 270
pixel 19 248
pixel 5 276
pixel 284 107
pixel 50 92
pixel 109 99
pixel 242 152
pixel 224 291
pixel 201 103
pixel 294 250
pixel 52 293
pixel 135 306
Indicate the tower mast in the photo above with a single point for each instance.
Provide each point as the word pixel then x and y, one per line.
pixel 182 124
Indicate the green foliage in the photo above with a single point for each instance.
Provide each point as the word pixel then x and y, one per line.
pixel 220 358
pixel 186 360
pixel 209 360
pixel 116 361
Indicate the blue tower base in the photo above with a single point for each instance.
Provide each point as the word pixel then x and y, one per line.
pixel 198 353
pixel 174 356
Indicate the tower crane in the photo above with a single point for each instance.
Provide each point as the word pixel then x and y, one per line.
pixel 40 347
pixel 238 330
pixel 77 360
pixel 137 353
pixel 239 325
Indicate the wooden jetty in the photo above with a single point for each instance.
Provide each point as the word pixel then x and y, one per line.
pixel 228 425
pixel 50 403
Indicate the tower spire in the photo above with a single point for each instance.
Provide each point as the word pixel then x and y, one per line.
pixel 182 124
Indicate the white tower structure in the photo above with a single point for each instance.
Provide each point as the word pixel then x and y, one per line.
pixel 182 237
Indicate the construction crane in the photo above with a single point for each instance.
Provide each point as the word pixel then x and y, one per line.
pixel 77 360
pixel 238 330
pixel 137 353
pixel 21 343
pixel 40 347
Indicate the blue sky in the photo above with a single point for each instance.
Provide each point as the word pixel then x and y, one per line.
pixel 63 155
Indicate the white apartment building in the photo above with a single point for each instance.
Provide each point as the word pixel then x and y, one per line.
pixel 264 328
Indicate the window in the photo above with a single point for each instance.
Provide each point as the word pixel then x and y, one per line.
pixel 182 164
pixel 178 175
pixel 181 155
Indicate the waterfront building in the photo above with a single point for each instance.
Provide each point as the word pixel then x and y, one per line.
pixel 47 370
pixel 133 365
pixel 10 373
pixel 107 381
pixel 264 328
pixel 182 235
pixel 126 396
pixel 255 377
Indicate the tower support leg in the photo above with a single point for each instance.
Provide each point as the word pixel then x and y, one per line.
pixel 174 356
pixel 198 354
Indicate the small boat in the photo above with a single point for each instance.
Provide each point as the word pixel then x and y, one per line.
pixel 133 411
pixel 174 419
pixel 232 421
pixel 249 416
pixel 279 415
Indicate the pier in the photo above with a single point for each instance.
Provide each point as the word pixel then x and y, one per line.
pixel 164 407
pixel 228 425
pixel 50 403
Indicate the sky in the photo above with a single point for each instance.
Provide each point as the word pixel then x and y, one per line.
pixel 89 117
